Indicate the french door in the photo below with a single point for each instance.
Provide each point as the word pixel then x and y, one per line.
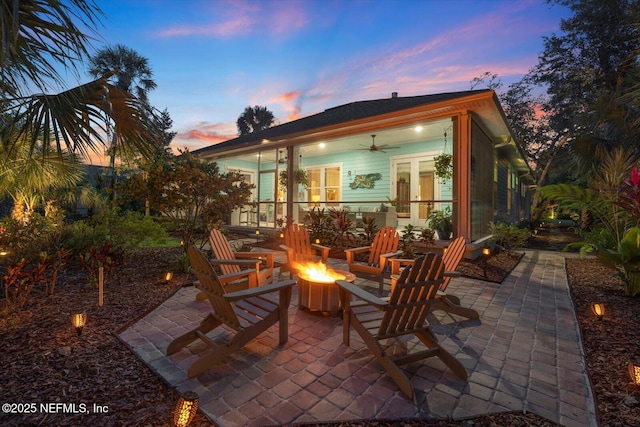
pixel 413 188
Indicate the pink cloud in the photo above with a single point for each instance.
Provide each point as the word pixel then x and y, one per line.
pixel 207 133
pixel 240 18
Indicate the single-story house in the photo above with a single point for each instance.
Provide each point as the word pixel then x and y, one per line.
pixel 376 158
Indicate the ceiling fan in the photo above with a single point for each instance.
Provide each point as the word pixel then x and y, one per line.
pixel 374 148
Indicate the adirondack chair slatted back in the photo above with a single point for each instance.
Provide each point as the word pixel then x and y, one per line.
pixel 452 257
pixel 384 242
pixel 209 282
pixel 410 299
pixel 222 250
pixel 296 236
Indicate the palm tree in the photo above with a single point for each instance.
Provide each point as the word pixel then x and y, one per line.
pixel 254 119
pixel 29 181
pixel 132 74
pixel 38 38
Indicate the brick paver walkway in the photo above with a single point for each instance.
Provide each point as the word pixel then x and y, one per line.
pixel 524 354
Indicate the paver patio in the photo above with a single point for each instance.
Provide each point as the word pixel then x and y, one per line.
pixel 525 353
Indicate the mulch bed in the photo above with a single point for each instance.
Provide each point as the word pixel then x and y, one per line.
pixel 44 360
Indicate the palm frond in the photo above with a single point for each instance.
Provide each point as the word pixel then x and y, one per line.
pixel 81 119
pixel 37 36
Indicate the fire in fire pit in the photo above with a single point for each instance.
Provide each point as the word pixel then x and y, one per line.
pixel 318 272
pixel 317 290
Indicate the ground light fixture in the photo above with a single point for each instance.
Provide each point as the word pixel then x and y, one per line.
pixel 185 409
pixel 257 234
pixel 634 371
pixel 78 320
pixel 598 310
pixel 168 276
pixel 486 251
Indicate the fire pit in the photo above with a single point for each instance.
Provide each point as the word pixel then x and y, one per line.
pixel 317 290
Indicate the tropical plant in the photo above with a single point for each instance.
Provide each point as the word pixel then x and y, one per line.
pixel 31 178
pixel 254 119
pixel 627 256
pixel 407 240
pixel 319 225
pixel 343 227
pixel 39 40
pixel 442 222
pixel 629 198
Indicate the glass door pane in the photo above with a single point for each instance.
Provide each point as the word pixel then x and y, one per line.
pixel 403 187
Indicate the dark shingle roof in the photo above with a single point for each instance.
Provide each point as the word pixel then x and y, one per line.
pixel 341 114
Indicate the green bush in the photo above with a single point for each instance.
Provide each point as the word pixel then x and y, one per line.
pixel 509 237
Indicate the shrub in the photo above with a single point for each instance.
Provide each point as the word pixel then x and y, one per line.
pixel 507 236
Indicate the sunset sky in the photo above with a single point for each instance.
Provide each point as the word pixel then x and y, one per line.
pixel 211 59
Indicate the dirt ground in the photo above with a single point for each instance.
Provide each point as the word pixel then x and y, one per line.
pixel 44 360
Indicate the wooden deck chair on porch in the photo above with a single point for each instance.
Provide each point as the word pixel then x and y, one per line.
pixel 404 313
pixel 451 258
pixel 299 248
pixel 247 312
pixel 384 246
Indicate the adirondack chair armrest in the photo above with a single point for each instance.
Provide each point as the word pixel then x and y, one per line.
pixel 324 250
pixel 246 262
pixel 252 292
pixel 391 254
pixel 452 274
pixel 286 248
pixel 384 258
pixel 358 250
pixel 226 278
pixel 268 256
pixel 396 263
pixel 362 294
pixel 351 253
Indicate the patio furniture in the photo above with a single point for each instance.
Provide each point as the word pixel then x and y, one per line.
pixel 231 262
pixel 445 302
pixel 384 246
pixel 404 313
pixel 300 249
pixel 247 312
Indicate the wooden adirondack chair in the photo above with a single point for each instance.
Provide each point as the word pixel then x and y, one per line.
pixel 404 313
pixel 232 262
pixel 384 246
pixel 451 258
pixel 248 312
pixel 300 249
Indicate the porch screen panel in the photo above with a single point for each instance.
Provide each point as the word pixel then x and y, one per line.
pixel 482 164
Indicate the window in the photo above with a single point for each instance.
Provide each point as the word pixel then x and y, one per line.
pixel 324 186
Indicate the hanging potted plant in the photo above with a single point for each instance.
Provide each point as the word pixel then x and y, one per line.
pixel 299 177
pixel 444 167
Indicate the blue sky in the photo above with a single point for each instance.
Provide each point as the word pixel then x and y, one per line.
pixel 212 58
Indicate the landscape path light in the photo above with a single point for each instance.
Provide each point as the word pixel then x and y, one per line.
pixel 634 371
pixel 598 310
pixel 79 320
pixel 185 409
